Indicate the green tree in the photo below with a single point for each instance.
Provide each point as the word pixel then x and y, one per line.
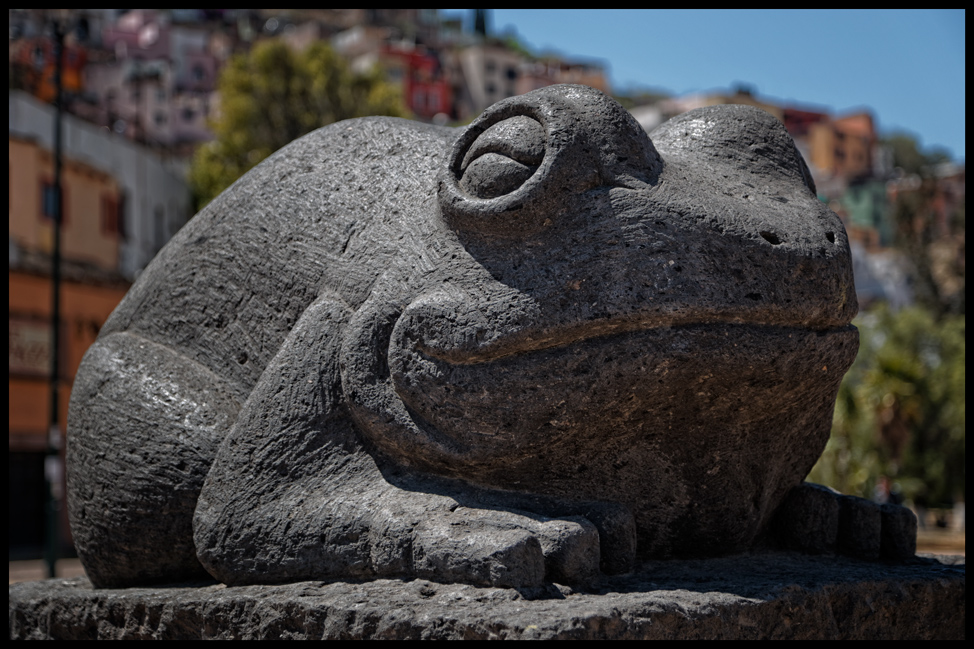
pixel 937 258
pixel 928 221
pixel 273 95
pixel 908 156
pixel 900 411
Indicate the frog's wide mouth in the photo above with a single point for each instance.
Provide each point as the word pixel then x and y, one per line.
pixel 624 383
pixel 453 383
pixel 477 346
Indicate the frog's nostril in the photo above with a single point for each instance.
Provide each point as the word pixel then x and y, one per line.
pixel 770 237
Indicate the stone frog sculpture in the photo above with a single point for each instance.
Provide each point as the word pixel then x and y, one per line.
pixel 533 349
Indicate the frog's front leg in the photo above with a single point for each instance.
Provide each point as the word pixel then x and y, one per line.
pixel 296 494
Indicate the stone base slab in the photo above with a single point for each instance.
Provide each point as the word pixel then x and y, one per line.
pixel 773 596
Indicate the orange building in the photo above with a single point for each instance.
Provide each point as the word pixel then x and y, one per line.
pixel 836 146
pixel 91 288
pixel 844 145
pixel 33 66
pixel 85 306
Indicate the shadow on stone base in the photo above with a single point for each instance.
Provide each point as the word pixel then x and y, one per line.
pixel 774 596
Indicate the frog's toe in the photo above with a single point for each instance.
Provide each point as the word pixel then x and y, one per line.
pixel 817 520
pixel 506 549
pixel 489 549
pixel 571 550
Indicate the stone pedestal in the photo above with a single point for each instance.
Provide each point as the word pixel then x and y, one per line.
pixel 773 595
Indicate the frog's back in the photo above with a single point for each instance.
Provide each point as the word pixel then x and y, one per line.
pixel 324 213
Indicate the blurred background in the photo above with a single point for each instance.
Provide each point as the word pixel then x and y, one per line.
pixel 124 123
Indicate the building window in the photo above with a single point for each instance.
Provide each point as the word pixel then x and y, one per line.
pixel 47 200
pixel 109 215
pixel 159 221
pixel 120 215
pixel 48 205
pixel 419 99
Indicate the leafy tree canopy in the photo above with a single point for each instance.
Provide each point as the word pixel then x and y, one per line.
pixel 900 411
pixel 938 259
pixel 908 156
pixel 273 95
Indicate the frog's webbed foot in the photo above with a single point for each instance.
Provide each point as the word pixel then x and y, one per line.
pixel 501 548
pixel 507 539
pixel 475 546
pixel 354 524
pixel 818 520
pixel 487 547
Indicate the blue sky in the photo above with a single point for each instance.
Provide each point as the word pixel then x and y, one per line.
pixel 906 66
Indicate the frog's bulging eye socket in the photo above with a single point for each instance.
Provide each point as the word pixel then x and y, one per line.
pixel 516 167
pixel 503 157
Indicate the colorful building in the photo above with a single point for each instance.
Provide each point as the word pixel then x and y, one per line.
pixel 426 89
pixel 91 287
pixel 120 204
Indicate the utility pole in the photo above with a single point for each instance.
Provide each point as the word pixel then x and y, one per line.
pixel 53 471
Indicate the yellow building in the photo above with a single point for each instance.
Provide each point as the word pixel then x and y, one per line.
pixel 91 288
pixel 92 201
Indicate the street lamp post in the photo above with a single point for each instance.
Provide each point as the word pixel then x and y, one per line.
pixel 52 462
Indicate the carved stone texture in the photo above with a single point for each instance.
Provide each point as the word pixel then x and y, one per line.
pixel 530 350
pixel 775 596
pixel 818 520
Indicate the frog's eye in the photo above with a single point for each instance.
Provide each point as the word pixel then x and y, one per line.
pixel 503 157
pixel 526 161
pixel 511 170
